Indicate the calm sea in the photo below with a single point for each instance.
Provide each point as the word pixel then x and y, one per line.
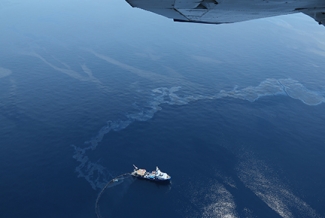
pixel 234 113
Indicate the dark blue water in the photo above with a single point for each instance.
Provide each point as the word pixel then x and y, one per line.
pixel 234 113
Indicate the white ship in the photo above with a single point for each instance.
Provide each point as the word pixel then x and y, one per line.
pixel 155 176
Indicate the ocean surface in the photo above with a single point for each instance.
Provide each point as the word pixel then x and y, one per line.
pixel 234 113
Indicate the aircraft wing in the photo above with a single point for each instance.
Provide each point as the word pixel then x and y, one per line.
pixel 318 16
pixel 229 11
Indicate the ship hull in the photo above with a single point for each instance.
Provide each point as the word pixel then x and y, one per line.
pixel 154 176
pixel 160 181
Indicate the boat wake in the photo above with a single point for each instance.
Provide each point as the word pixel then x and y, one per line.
pixel 113 182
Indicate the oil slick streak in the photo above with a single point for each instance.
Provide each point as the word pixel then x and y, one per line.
pixel 72 73
pixel 250 171
pixel 97 175
pixel 173 78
